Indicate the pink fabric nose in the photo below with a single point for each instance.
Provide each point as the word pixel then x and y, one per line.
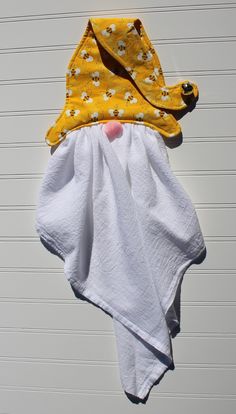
pixel 113 129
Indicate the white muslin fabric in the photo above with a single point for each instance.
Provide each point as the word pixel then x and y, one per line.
pixel 127 231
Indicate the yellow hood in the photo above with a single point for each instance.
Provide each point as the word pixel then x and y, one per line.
pixel 115 73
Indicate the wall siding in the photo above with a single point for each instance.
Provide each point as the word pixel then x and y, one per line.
pixel 57 353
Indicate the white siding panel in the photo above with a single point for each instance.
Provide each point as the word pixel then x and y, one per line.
pixel 215 222
pixel 89 376
pixel 213 319
pixel 48 32
pixel 58 353
pixel 199 286
pixel 34 345
pixel 176 58
pixel 208 188
pixel 37 9
pixel 21 127
pixel 56 401
pixel 51 95
pixel 190 156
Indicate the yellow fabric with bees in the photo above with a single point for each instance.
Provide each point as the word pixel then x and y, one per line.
pixel 115 74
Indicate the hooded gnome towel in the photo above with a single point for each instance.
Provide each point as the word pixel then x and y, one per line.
pixel 110 206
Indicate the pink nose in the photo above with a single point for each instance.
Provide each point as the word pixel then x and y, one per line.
pixel 113 129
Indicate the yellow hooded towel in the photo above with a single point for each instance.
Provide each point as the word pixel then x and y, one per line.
pixel 115 73
pixel 113 210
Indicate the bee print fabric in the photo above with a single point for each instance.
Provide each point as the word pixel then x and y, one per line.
pixel 115 74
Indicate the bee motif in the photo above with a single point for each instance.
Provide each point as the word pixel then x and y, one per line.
pixel 152 50
pixel 121 47
pixel 131 72
pixel 160 114
pixel 152 77
pixel 164 94
pixel 132 29
pixel 72 112
pixel 95 77
pixel 62 134
pixel 94 117
pixel 86 98
pixel 139 116
pixel 145 56
pixel 116 112
pixel 160 71
pixel 109 93
pixel 108 30
pixel 68 93
pixel 130 98
pixel 86 56
pixel 74 72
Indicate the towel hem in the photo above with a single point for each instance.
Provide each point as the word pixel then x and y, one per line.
pixel 179 275
pixel 152 378
pixel 155 374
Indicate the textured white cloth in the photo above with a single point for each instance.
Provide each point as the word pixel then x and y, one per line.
pixel 127 232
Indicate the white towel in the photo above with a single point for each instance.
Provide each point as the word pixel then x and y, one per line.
pixel 125 228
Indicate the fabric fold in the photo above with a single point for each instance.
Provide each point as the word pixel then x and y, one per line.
pixel 124 38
